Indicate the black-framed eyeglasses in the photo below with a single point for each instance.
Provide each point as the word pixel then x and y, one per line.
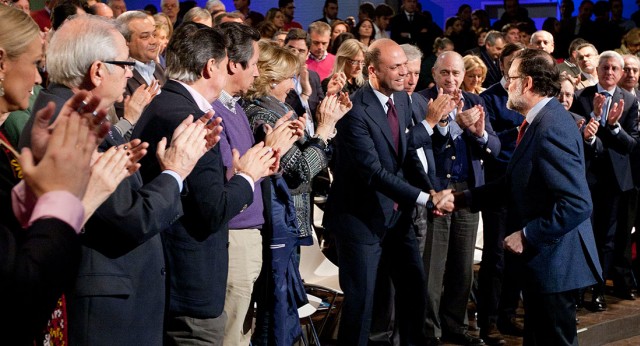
pixel 510 78
pixel 127 65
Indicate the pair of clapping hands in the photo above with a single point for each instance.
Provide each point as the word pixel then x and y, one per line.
pixel 63 155
pixel 439 109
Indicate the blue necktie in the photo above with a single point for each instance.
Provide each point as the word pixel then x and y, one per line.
pixel 605 108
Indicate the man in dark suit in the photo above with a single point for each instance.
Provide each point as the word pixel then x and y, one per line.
pixel 307 94
pixel 548 204
pixel 196 245
pixel 493 290
pixel 38 263
pixel 493 45
pixel 616 112
pixel 462 139
pixel 369 205
pixel 411 26
pixel 329 12
pixel 122 267
pixel 138 31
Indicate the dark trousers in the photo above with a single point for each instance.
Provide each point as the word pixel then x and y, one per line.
pixel 549 319
pixel 622 269
pixel 606 201
pixel 448 264
pixel 397 254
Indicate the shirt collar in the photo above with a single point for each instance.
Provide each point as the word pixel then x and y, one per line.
pixel 381 97
pixel 228 101
pixel 531 116
pixel 601 89
pixel 324 56
pixel 201 101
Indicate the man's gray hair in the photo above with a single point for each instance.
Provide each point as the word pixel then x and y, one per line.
pixel 124 19
pixel 492 37
pixel 211 3
pixel 609 54
pixel 412 52
pixel 539 33
pixel 77 45
pixel 196 13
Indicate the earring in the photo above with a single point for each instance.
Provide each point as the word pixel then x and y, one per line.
pixel 273 85
pixel 1 87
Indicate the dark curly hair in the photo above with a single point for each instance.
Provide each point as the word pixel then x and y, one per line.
pixel 541 67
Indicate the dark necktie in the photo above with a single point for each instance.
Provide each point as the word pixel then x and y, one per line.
pixel 411 18
pixel 392 118
pixel 521 132
pixel 605 108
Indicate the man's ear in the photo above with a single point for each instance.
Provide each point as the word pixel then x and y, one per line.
pixel 96 73
pixel 209 68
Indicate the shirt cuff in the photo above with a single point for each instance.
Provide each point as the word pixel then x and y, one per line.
pixel 616 130
pixel 423 199
pixel 427 127
pixel 484 139
pixel 62 205
pixel 123 126
pixel 249 180
pixel 22 201
pixel 593 140
pixel 176 176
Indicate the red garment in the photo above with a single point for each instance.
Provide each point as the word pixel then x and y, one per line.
pixel 42 18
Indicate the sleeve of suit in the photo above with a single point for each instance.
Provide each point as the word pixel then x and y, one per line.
pixel 362 151
pixel 419 138
pixel 627 137
pixel 559 158
pixel 136 216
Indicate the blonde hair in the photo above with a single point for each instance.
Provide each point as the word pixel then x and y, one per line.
pixel 168 21
pixel 472 62
pixel 348 50
pixel 17 31
pixel 275 65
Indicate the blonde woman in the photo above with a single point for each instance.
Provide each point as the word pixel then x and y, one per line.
pixel 163 32
pixel 474 75
pixel 350 62
pixel 266 105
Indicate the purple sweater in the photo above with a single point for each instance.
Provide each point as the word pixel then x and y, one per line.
pixel 237 134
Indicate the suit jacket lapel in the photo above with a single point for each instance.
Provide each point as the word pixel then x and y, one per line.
pixel 401 107
pixel 528 135
pixel 375 111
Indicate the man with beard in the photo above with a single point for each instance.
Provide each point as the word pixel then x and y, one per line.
pixel 548 203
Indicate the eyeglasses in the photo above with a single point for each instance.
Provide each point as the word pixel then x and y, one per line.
pixel 355 62
pixel 127 65
pixel 510 78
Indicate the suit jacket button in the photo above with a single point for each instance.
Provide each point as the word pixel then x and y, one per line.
pixel 163 271
pixel 448 176
pixel 448 146
pixel 453 157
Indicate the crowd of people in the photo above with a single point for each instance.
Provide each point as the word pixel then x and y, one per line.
pixel 159 171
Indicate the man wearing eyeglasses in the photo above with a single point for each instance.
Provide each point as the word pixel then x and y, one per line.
pixel 119 294
pixel 138 31
pixel 462 139
pixel 614 111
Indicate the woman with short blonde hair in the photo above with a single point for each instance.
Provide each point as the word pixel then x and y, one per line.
pixel 474 75
pixel 276 65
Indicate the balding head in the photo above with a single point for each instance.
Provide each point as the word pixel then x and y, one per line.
pixel 387 66
pixel 448 71
pixel 102 10
pixel 543 40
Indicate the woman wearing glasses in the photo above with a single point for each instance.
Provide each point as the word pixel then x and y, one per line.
pixel 350 62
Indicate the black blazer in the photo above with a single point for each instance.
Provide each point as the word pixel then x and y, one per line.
pixel 122 271
pixel 369 175
pixel 444 150
pixel 614 164
pixel 419 138
pixel 317 95
pixel 36 266
pixel 195 246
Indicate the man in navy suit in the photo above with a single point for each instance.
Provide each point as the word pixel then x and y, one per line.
pixel 548 203
pixel 196 246
pixel 461 140
pixel 615 111
pixel 493 45
pixel 370 202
